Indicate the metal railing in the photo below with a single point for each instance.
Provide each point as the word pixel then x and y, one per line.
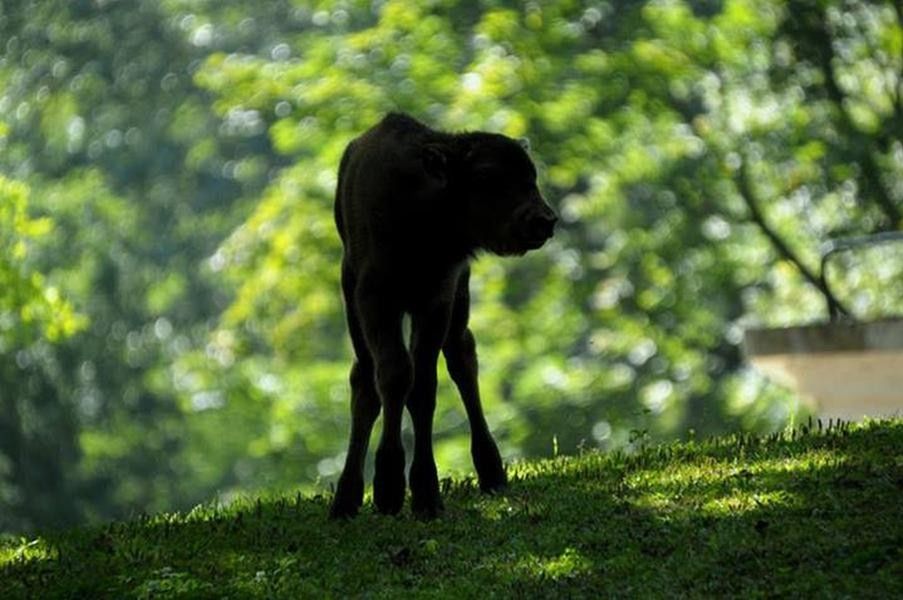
pixel 833 247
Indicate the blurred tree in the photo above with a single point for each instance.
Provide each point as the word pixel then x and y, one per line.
pixel 37 442
pixel 680 147
pixel 698 151
pixel 107 126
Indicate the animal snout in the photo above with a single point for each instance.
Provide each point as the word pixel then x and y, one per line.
pixel 541 224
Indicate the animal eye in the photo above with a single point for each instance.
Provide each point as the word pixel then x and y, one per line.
pixel 486 174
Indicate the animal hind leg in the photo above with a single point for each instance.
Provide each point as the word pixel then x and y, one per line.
pixel 364 411
pixel 428 333
pixel 381 324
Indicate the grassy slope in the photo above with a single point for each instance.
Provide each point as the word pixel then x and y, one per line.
pixel 804 514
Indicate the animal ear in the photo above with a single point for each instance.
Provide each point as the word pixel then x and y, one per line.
pixel 524 143
pixel 435 163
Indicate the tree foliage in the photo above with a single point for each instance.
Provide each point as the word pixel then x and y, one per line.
pixel 699 153
pixel 33 316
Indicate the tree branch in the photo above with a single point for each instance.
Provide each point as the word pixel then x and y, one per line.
pixel 869 171
pixel 898 91
pixel 744 187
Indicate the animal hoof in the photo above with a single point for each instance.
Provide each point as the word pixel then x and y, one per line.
pixel 349 496
pixel 388 501
pixel 493 479
pixel 388 482
pixel 493 486
pixel 426 502
pixel 490 470
pixel 427 509
pixel 342 509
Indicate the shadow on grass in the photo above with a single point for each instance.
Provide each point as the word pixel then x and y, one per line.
pixel 816 515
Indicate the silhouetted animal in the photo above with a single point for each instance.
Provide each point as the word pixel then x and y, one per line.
pixel 413 206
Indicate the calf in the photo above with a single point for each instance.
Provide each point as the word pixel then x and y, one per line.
pixel 413 206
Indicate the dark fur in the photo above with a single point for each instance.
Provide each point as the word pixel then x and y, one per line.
pixel 413 205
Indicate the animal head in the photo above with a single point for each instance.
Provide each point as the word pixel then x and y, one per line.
pixel 494 181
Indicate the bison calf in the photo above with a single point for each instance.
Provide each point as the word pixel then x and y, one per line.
pixel 413 206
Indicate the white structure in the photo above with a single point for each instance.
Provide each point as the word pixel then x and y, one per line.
pixel 847 369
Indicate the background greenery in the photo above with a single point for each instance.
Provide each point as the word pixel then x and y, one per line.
pixel 170 324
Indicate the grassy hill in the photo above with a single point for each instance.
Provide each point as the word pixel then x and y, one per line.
pixel 811 513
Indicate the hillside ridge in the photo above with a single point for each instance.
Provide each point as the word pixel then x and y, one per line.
pixel 814 511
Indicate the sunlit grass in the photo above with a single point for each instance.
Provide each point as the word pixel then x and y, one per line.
pixel 22 550
pixel 814 513
pixel 570 563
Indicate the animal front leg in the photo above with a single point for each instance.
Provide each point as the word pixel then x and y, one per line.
pixel 461 358
pixel 429 329
pixel 381 323
pixel 460 352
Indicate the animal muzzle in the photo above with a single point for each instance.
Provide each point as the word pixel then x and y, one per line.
pixel 538 226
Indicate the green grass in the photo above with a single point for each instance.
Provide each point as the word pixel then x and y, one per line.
pixel 808 513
